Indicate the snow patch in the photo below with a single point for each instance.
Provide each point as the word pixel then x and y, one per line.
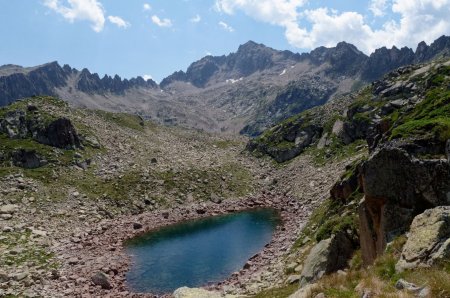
pixel 232 81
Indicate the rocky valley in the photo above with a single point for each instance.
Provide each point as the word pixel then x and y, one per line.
pixel 352 150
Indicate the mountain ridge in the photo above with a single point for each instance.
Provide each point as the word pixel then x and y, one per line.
pixel 243 92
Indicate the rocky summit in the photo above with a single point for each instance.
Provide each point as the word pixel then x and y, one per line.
pixel 352 151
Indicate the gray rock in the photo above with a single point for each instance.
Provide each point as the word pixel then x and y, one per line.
pixel 100 279
pixel 293 278
pixel 303 292
pixel 21 276
pixel 323 142
pixel 338 127
pixel 3 277
pixel 73 261
pixel 137 226
pixel 6 216
pixel 428 239
pixel 215 199
pixel 8 209
pixel 327 256
pixel 186 292
pixel 421 292
pixel 402 284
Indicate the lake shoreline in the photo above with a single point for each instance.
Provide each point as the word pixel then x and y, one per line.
pixel 101 247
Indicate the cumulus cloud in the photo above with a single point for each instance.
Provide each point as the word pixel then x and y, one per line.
pixel 226 27
pixel 80 10
pixel 119 22
pixel 196 19
pixel 161 22
pixel 147 77
pixel 378 7
pixel 417 20
pixel 147 7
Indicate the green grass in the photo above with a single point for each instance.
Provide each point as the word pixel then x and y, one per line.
pixel 282 292
pixel 337 150
pixel 123 119
pixel 431 117
pixel 29 253
pixel 203 183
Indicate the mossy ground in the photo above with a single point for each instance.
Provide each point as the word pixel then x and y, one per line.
pixel 25 252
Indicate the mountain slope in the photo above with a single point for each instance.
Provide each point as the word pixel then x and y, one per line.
pixel 247 91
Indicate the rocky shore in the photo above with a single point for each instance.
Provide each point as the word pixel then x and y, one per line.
pixel 94 262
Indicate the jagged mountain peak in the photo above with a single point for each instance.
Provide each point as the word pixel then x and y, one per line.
pixel 248 59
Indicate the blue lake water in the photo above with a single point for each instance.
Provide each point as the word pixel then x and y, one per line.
pixel 198 252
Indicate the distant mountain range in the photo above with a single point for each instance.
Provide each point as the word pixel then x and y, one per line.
pixel 247 91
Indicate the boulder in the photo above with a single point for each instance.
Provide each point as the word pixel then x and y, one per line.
pixel 59 133
pixel 324 141
pixel 8 209
pixel 428 239
pixel 27 159
pixel 101 279
pixel 137 226
pixel 327 256
pixel 397 187
pixel 304 292
pixel 186 292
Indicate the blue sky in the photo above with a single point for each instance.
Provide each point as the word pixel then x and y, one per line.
pixel 158 37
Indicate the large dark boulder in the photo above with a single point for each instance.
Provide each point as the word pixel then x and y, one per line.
pixel 59 133
pixel 27 159
pixel 397 187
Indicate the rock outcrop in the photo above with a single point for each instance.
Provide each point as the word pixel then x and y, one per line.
pixel 396 188
pixel 27 159
pixel 45 129
pixel 287 141
pixel 327 256
pixel 428 239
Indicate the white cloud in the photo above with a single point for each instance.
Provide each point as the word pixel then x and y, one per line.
pixel 80 10
pixel 195 19
pixel 161 22
pixel 276 12
pixel 147 77
pixel 378 7
pixel 226 27
pixel 118 21
pixel 418 20
pixel 147 7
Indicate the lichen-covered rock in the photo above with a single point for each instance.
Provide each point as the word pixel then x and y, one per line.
pixel 327 256
pixel 186 292
pixel 428 239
